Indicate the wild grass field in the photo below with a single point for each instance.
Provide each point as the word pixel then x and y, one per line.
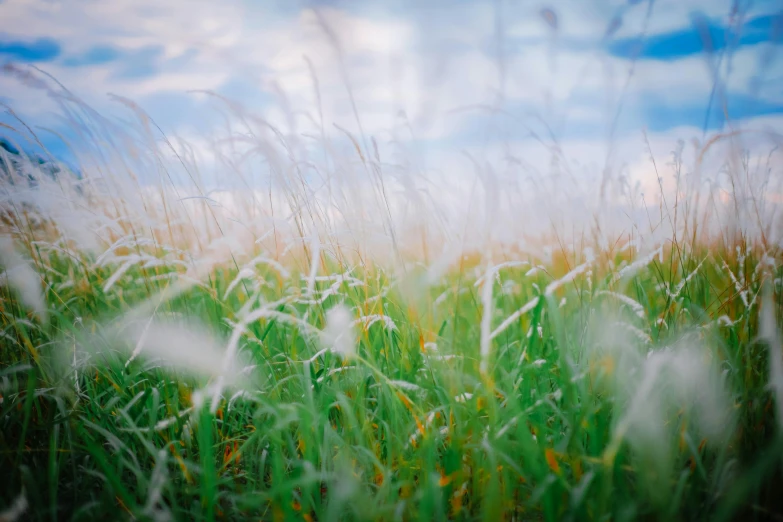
pixel 341 344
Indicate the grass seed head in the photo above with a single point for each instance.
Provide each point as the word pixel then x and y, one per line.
pixel 338 334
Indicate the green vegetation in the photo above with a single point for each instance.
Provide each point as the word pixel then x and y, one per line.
pixel 328 340
pixel 619 394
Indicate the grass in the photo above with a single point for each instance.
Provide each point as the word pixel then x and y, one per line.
pixel 408 428
pixel 150 369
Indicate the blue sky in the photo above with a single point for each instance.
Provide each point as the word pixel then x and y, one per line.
pixel 432 60
pixel 701 36
pixel 38 50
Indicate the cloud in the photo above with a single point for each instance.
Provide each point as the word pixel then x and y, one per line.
pixel 428 66
pixel 133 48
pixel 660 114
pixel 142 63
pixel 132 59
pixel 95 55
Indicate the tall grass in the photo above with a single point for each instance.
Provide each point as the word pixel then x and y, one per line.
pixel 334 338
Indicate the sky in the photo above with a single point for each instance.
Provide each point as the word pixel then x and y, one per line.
pixel 444 76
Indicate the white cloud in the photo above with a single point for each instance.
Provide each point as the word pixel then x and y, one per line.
pixel 175 27
pixel 425 65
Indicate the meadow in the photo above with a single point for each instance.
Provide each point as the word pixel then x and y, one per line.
pixel 337 344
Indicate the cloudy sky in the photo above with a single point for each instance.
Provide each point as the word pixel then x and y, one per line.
pixel 459 74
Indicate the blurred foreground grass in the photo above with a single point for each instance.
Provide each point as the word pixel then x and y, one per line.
pixel 624 390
